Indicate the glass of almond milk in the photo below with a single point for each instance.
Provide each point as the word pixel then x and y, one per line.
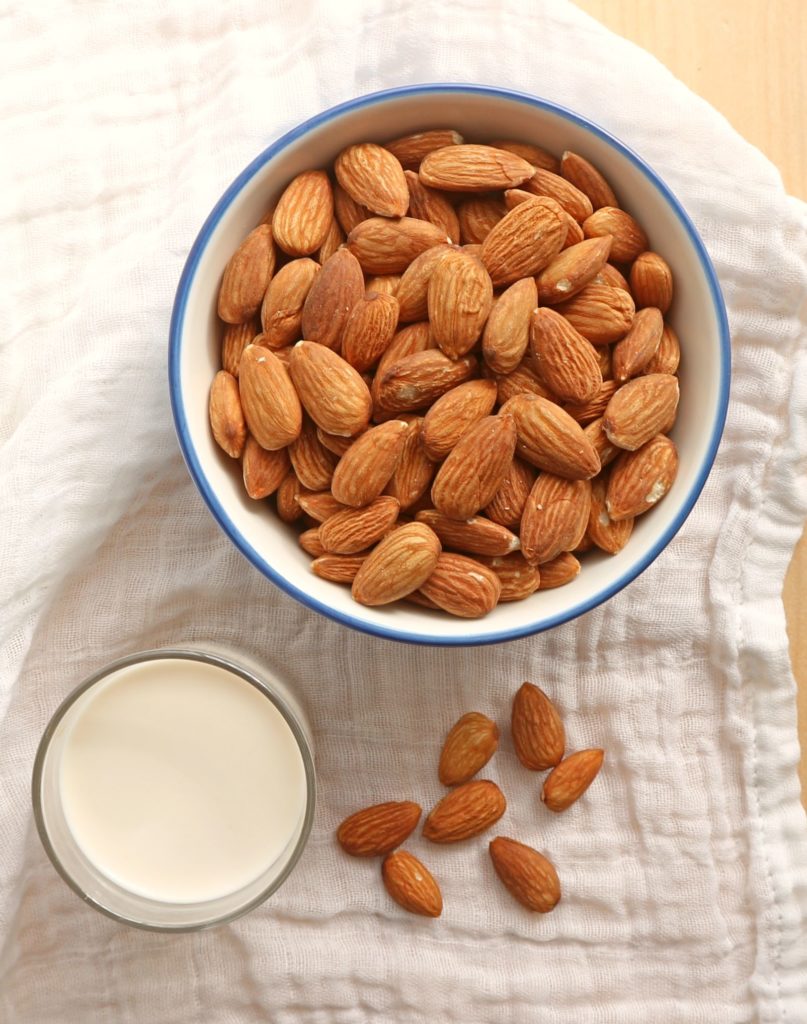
pixel 174 790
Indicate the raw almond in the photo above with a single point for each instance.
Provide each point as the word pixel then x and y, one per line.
pixel 333 393
pixel 668 354
pixel 475 468
pixel 507 504
pixel 311 543
pixel 419 379
pixel 271 406
pixel 470 744
pixel 640 479
pixel 413 290
pixel 313 463
pixel 331 298
pixel 651 282
pixel 429 204
pixel 549 439
pixel 574 231
pixel 593 409
pixel 599 312
pixel 246 276
pixel 478 216
pixel 564 359
pixel 637 348
pixel 369 330
pixel 517 577
pixel 523 380
pixel 604 359
pixel 373 177
pixel 319 505
pixel 507 331
pixel 415 470
pixel 559 571
pixel 335 444
pixel 523 242
pixel 641 409
pixel 367 466
pixel 462 586
pixel 572 269
pixel 411 884
pixel 333 241
pixel 571 779
pixel 629 238
pixel 288 505
pixel 473 168
pixel 400 564
pixel 386 284
pixel 526 874
pixel 337 568
pixel 455 413
pixel 282 309
pixel 475 536
pixel 527 151
pixel 574 202
pixel 406 342
pixel 585 176
pixel 459 300
pixel 555 517
pixel 347 211
pixel 226 414
pixel 411 149
pixel 388 246
pixel 611 276
pixel 234 340
pixel 538 734
pixel 607 534
pixel 356 529
pixel 377 830
pixel 465 812
pixel 595 432
pixel 302 218
pixel 263 471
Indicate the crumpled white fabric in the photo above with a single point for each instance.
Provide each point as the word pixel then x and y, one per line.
pixel 685 867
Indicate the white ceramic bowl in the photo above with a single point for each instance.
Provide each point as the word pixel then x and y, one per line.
pixel 480 113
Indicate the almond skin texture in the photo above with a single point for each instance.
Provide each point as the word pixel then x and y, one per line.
pixel 288 506
pixel 411 885
pixel 384 284
pixel 599 312
pixel 411 149
pixel 522 381
pixel 465 812
pixel 518 578
pixel 526 874
pixel 571 779
pixel 565 361
pixel 472 168
pixel 507 505
pixel 640 479
pixel 550 439
pixel 320 505
pixel 377 830
pixel 637 348
pixel 400 564
pixel 587 178
pixel 333 240
pixel 347 211
pixel 356 529
pixel 477 216
pixel 374 178
pixel 475 536
pixel 331 298
pixel 538 735
pixel 247 276
pixel 651 282
pixel 310 542
pixel 586 412
pixel 507 331
pixel 337 568
pixel 462 586
pixel 459 300
pixel 367 466
pixel 271 406
pixel 609 535
pixel 555 517
pixel 455 413
pixel 429 204
pixel 641 409
pixel 629 238
pixel 572 269
pixel 388 246
pixel 469 745
pixel 574 202
pixel 559 571
pixel 263 471
pixel 282 309
pixel 668 354
pixel 524 241
pixel 406 342
pixel 369 330
pixel 415 470
pixel 527 151
pixel 611 276
pixel 337 445
pixel 413 291
pixel 303 215
pixel 226 414
pixel 476 467
pixel 333 393
pixel 313 463
pixel 418 380
pixel 234 340
pixel 595 432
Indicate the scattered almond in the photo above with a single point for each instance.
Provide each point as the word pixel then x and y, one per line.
pixel 527 875
pixel 538 733
pixel 465 812
pixel 571 779
pixel 411 884
pixel 377 830
pixel 469 745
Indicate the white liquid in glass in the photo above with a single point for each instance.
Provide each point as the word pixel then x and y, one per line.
pixel 180 781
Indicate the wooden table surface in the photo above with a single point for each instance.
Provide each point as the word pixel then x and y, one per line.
pixel 747 58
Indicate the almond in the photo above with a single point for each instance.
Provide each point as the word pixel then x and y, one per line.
pixel 559 571
pixel 532 154
pixel 413 290
pixel 475 536
pixel 415 381
pixel 629 238
pixel 271 406
pixel 605 362
pixel 564 359
pixel 303 215
pixel 611 276
pixel 337 568
pixel 507 505
pixel 523 242
pixel 335 444
pixel 234 340
pixel 549 439
pixel 332 295
pixel 571 779
pixel 367 466
pixel 373 178
pixel 415 470
pixel 585 176
pixel 369 330
pixel 574 202
pixel 411 885
pixel 311 542
pixel 465 812
pixel 651 282
pixel 333 393
pixel 593 409
pixel 607 534
pixel 555 517
pixel 478 216
pixel 538 734
pixel 263 471
pixel 637 348
pixel 507 331
pixel 462 586
pixel 388 246
pixel 347 211
pixel 514 197
pixel 313 463
pixel 400 564
pixel 459 300
pixel 320 505
pixel 572 269
pixel 599 312
pixel 288 506
pixel 377 830
pixel 526 874
pixel 455 413
pixel 607 451
pixel 475 468
pixel 411 149
pixel 470 744
pixel 333 241
pixel 406 342
pixel 668 354
pixel 385 284
pixel 226 414
pixel 574 231
pixel 522 381
pixel 356 529
pixel 282 310
pixel 517 577
pixel 428 204
pixel 641 409
pixel 246 276
pixel 640 479
pixel 472 168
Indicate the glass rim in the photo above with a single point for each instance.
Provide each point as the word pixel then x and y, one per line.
pixel 187 654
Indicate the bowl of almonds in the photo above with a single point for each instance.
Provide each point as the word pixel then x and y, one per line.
pixel 449 364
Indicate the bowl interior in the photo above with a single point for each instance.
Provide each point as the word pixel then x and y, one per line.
pixel 479 114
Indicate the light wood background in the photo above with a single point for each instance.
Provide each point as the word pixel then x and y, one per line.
pixel 748 58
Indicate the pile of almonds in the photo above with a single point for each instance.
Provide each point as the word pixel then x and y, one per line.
pixel 485 379
pixel 474 805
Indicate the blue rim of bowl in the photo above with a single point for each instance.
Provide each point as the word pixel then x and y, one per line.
pixel 209 496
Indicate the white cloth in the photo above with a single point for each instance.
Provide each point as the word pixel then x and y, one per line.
pixel 685 868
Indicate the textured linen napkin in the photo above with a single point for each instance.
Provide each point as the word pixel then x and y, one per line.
pixel 685 868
